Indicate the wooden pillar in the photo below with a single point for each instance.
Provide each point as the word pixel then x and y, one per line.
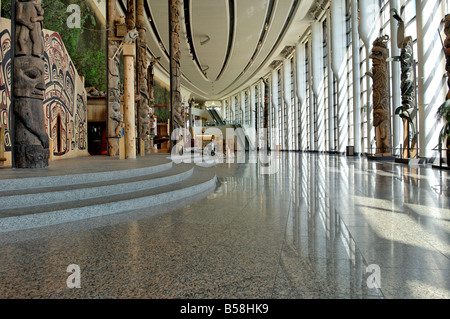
pixel 129 101
pixel 31 142
pixel 176 120
pixel 114 116
pixel 381 109
pixel 142 85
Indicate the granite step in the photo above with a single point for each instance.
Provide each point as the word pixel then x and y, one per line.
pixel 15 184
pixel 78 192
pixel 186 183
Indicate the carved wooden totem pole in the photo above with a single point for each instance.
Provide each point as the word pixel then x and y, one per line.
pixel 447 50
pixel 151 93
pixel 115 118
pixel 407 111
pixel 31 142
pixel 143 112
pixel 407 86
pixel 176 120
pixel 381 114
pixel 447 68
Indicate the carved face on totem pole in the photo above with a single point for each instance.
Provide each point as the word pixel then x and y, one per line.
pixel 379 52
pixel 29 78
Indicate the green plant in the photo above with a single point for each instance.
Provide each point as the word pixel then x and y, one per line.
pixel 443 113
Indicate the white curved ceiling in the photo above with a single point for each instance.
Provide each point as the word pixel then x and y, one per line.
pixel 225 44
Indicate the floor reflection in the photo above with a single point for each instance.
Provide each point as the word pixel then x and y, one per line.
pixel 312 226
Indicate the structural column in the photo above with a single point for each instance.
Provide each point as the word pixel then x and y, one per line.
pixel 274 128
pixel 397 124
pixel 431 67
pixel 338 46
pixel 287 104
pixel 318 82
pixel 331 122
pixel 301 93
pixel 356 79
pixel 369 14
pixel 312 133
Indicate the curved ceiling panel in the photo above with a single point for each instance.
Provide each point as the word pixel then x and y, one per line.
pixel 210 25
pixel 224 43
pixel 280 14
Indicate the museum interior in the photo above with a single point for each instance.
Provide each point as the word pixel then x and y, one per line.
pixel 225 149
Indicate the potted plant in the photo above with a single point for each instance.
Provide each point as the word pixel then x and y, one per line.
pixel 443 113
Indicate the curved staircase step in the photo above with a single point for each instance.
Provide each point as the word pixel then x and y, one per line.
pixel 44 196
pixel 201 181
pixel 13 184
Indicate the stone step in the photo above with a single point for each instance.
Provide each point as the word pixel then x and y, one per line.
pixel 200 181
pixel 14 184
pixel 44 196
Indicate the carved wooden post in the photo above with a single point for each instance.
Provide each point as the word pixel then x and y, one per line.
pixel 129 100
pixel 381 114
pixel 447 50
pixel 447 68
pixel 176 121
pixel 408 98
pixel 150 89
pixel 143 103
pixel 115 118
pixel 31 142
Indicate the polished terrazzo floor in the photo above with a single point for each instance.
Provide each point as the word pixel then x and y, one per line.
pixel 310 230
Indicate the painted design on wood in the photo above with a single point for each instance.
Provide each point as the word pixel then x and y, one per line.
pixel 59 103
pixel 5 85
pixel 31 142
pixel 380 76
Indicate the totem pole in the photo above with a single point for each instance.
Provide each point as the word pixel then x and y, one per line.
pixel 151 95
pixel 176 120
pixel 381 114
pixel 129 94
pixel 447 50
pixel 115 118
pixel 31 142
pixel 142 84
pixel 408 109
pixel 447 68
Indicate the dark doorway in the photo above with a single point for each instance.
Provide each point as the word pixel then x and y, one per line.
pixel 58 135
pixel 97 138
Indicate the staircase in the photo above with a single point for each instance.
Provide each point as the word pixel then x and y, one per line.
pixel 39 201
